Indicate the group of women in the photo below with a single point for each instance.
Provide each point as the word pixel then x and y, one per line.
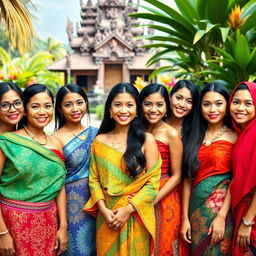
pixel 165 175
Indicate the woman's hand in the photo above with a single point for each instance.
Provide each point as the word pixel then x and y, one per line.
pixel 243 235
pixel 217 229
pixel 185 230
pixel 107 214
pixel 6 245
pixel 122 214
pixel 61 240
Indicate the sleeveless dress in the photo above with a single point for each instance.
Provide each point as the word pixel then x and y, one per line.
pixel 168 213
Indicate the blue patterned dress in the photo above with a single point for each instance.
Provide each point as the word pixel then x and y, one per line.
pixel 81 226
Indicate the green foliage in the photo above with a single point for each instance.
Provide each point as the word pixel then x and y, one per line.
pixel 27 70
pixel 197 39
pixel 99 111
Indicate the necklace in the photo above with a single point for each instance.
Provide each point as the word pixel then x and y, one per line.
pixel 80 137
pixel 119 146
pixel 43 142
pixel 208 142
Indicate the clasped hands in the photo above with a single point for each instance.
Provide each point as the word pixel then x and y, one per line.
pixel 116 219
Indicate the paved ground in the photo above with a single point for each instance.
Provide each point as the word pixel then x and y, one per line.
pixel 49 129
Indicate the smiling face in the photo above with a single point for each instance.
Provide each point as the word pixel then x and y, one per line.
pixel 39 110
pixel 242 108
pixel 154 107
pixel 181 103
pixel 73 107
pixel 123 109
pixel 214 107
pixel 12 115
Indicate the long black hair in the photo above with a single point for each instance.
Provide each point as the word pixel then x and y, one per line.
pixel 199 126
pixel 28 93
pixel 64 90
pixel 134 158
pixel 7 86
pixel 154 88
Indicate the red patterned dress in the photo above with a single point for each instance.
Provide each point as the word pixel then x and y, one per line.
pixel 168 213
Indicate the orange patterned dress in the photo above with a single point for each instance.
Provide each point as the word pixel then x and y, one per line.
pixel 168 213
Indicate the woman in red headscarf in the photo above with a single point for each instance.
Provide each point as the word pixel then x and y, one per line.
pixel 243 187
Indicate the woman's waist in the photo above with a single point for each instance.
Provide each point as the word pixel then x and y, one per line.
pixel 27 206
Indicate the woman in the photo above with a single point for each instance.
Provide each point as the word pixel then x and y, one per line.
pixel 124 161
pixel 243 192
pixel 11 106
pixel 32 178
pixel 71 106
pixel 206 216
pixel 156 107
pixel 183 98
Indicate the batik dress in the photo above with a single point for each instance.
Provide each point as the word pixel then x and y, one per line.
pixel 81 226
pixel 168 213
pixel 209 188
pixel 31 179
pixel 109 181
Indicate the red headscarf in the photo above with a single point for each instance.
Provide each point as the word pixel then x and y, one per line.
pixel 244 155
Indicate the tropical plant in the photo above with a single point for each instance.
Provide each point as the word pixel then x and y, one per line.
pixel 199 32
pixel 15 18
pixel 54 48
pixel 26 70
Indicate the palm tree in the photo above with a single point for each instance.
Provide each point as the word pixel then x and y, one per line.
pixel 15 17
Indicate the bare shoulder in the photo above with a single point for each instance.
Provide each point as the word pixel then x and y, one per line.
pixel 149 138
pixel 171 132
pixel 232 136
pixel 56 142
pixel 102 137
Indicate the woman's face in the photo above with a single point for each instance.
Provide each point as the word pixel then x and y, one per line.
pixel 154 107
pixel 181 103
pixel 39 110
pixel 73 107
pixel 11 108
pixel 242 108
pixel 214 107
pixel 123 109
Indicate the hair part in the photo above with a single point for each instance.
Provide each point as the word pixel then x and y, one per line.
pixel 28 93
pixel 8 86
pixel 133 157
pixel 62 92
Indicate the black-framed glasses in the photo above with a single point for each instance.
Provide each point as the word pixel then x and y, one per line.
pixel 6 106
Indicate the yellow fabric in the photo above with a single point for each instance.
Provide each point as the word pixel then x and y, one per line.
pixel 108 181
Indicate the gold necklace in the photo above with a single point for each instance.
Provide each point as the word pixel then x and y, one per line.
pixel 80 137
pixel 119 146
pixel 43 142
pixel 207 142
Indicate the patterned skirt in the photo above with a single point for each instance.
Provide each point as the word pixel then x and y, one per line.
pixel 33 226
pixel 168 219
pixel 81 225
pixel 206 200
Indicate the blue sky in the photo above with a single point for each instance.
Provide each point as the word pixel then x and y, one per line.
pixel 51 17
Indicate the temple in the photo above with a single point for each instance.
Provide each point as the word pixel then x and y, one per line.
pixel 104 47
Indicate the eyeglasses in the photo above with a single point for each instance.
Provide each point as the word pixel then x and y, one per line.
pixel 6 106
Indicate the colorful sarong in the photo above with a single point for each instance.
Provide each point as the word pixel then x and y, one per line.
pixel 81 225
pixel 110 182
pixel 207 197
pixel 168 214
pixel 33 226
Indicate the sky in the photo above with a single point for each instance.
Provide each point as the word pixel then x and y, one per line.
pixel 51 16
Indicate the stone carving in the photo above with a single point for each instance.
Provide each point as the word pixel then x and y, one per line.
pixel 69 29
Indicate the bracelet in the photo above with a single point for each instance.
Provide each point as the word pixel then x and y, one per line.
pixel 4 232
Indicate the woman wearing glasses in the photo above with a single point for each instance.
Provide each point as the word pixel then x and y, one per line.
pixel 32 173
pixel 11 106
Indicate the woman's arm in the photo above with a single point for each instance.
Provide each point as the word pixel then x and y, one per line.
pixel 62 235
pixel 244 231
pixel 185 229
pixel 176 151
pixel 6 241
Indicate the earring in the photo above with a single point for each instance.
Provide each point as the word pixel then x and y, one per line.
pixel 136 116
pixel 111 116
